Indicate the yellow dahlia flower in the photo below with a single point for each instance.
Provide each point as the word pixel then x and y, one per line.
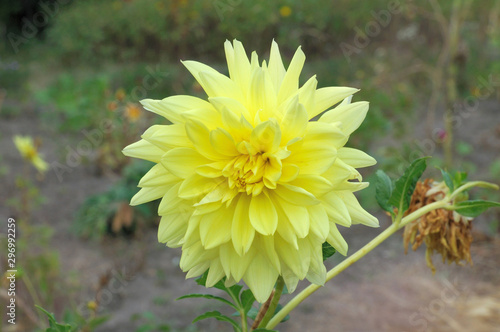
pixel 28 151
pixel 250 187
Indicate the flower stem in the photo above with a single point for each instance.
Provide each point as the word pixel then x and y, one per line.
pixel 280 284
pixel 471 184
pixel 354 258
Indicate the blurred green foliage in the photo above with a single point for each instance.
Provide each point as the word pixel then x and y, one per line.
pixel 94 218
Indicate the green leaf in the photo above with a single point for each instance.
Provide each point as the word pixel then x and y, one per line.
pixel 247 300
pixel 447 179
pixel 54 326
pixel 210 297
pixel 405 185
pixel 474 208
pixel 459 178
pixel 328 251
pixel 217 315
pixel 383 190
pixel 263 330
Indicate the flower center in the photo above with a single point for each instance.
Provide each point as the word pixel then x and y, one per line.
pixel 246 173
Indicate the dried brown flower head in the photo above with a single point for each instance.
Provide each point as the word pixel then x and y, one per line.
pixel 443 231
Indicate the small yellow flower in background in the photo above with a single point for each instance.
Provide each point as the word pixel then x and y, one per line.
pixel 251 188
pixel 132 112
pixel 28 150
pixel 285 11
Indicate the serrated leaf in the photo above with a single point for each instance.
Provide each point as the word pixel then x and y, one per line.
pixel 447 179
pixel 474 208
pixel 247 300
pixel 217 315
pixel 383 190
pixel 405 185
pixel 328 250
pixel 210 297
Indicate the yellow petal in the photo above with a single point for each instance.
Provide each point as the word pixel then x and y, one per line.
pixel 144 150
pixel 157 176
pixel 298 217
pixel 167 137
pixel 172 229
pixel 149 194
pixel 290 83
pixel 329 96
pixel 263 216
pixel 294 122
pixel 232 105
pixel 172 107
pixel 295 195
pixel 199 134
pixel 336 240
pixel 223 142
pixel 320 224
pixel 276 69
pixel 350 115
pixel 315 184
pixel 261 277
pixel 182 162
pixel 266 137
pixel 336 208
pixel 307 93
pixel 215 273
pixel 242 231
pixel 196 185
pixel 357 213
pixel 355 158
pixel 235 265
pixel 215 227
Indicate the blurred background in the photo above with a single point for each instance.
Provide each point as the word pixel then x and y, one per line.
pixel 71 76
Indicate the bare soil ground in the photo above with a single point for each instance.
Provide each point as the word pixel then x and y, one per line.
pixel 385 291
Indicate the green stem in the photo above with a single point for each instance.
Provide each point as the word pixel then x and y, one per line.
pixel 280 285
pixel 354 258
pixel 471 184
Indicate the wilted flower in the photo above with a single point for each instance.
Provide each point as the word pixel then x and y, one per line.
pixel 446 232
pixel 250 188
pixel 28 150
